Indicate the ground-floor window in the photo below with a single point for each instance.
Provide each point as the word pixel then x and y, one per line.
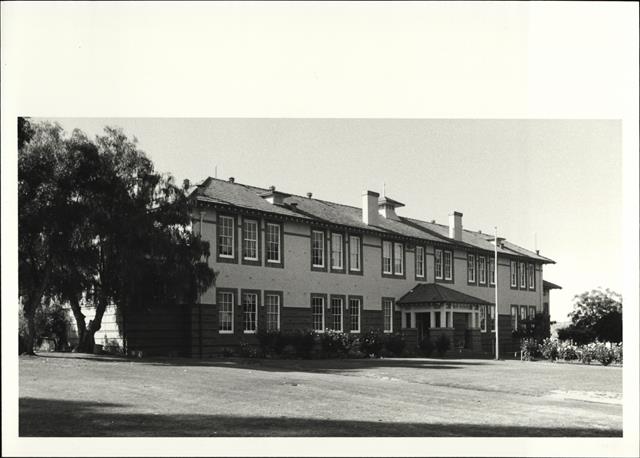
pixel 514 317
pixel 532 315
pixel 336 314
pixel 250 307
pixel 272 303
pixel 387 311
pixel 225 312
pixel 492 318
pixel 317 313
pixel 354 314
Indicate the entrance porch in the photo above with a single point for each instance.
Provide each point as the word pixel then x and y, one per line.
pixel 431 310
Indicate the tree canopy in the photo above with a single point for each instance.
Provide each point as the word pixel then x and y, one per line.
pixel 597 314
pixel 95 217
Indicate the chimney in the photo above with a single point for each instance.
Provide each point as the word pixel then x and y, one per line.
pixel 370 207
pixel 232 180
pixel 455 226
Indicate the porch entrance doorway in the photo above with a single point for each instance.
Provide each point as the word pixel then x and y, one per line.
pixel 461 330
pixel 423 322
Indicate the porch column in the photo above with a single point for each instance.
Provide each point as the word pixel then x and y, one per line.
pixel 432 319
pixel 450 316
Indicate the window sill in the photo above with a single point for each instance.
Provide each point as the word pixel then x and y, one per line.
pixel 248 332
pixel 225 332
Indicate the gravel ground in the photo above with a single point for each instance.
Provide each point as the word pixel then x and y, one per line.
pixel 64 394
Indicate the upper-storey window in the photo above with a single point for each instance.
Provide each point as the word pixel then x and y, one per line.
pixel 523 275
pixel 226 232
pixel 514 274
pixel 250 240
pixel 387 248
pixel 438 264
pixel 398 258
pixel 317 248
pixel 482 270
pixel 448 265
pixel 420 261
pixel 355 256
pixel 471 268
pixel 492 271
pixel 273 248
pixel 532 276
pixel 337 254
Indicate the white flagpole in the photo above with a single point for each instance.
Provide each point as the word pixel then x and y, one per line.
pixel 496 287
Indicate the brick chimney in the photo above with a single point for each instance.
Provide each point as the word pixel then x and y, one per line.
pixel 455 226
pixel 370 207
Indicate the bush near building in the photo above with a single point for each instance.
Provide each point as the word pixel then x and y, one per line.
pixel 556 350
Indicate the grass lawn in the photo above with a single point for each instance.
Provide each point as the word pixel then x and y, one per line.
pixel 64 394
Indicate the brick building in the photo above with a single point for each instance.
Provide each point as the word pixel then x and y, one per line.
pixel 291 262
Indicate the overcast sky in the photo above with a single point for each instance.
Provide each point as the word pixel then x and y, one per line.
pixel 554 185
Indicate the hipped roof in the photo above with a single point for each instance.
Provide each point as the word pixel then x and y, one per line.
pixel 306 209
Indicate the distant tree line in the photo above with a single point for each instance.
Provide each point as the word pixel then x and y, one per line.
pixel 596 315
pixel 95 220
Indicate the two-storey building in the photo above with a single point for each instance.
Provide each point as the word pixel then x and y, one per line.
pixel 289 262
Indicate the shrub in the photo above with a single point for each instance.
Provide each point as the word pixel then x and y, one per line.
pixel 529 349
pixel 302 342
pixel 395 343
pixel 442 344
pixel 604 354
pixel 567 351
pixel 372 342
pixel 426 347
pixel 580 336
pixel 272 342
pixel 617 353
pixel 335 343
pixel 549 349
pixel 247 350
pixel 586 353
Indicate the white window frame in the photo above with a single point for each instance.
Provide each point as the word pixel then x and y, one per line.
pixel 221 235
pixel 514 327
pixel 523 275
pixel 420 262
pixel 532 308
pixel 267 304
pixel 390 304
pixel 439 264
pixel 337 248
pixel 482 270
pixel 246 239
pixel 278 242
pixel 244 313
pixel 471 268
pixel 482 316
pixel 531 271
pixel 514 274
pixel 354 244
pixel 220 311
pixel 333 314
pixel 491 265
pixel 314 235
pixel 525 316
pixel 322 306
pixel 448 275
pixel 398 248
pixel 357 302
pixel 386 243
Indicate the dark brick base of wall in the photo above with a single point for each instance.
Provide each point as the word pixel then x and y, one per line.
pixel 508 344
pixel 206 341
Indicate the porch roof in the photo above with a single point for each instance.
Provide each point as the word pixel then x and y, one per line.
pixel 433 293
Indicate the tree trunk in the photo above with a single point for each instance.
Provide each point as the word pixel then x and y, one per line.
pixel 86 344
pixel 81 324
pixel 30 338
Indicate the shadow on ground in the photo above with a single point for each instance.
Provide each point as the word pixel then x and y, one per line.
pixel 278 365
pixel 51 418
